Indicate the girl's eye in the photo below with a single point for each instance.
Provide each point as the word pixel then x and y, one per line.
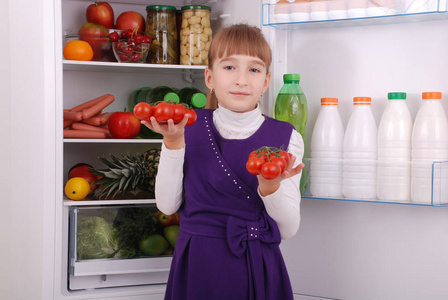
pixel 228 68
pixel 255 70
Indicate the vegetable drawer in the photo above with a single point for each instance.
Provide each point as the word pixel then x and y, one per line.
pixel 115 246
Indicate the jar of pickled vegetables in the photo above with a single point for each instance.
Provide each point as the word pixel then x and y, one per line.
pixel 195 35
pixel 161 27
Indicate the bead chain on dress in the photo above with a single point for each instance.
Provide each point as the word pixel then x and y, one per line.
pixel 217 156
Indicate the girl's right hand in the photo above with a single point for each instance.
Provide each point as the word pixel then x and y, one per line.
pixel 173 134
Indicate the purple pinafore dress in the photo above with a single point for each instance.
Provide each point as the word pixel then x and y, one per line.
pixel 228 246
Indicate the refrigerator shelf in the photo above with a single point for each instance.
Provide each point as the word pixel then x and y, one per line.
pixel 438 11
pixel 113 141
pixel 68 202
pixel 438 190
pixel 99 66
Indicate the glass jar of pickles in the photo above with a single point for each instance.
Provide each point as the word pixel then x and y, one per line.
pixel 161 27
pixel 195 35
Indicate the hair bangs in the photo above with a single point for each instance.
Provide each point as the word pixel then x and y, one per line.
pixel 240 40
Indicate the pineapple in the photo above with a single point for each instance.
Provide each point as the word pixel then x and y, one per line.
pixel 127 174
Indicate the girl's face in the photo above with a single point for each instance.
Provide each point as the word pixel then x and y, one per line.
pixel 238 81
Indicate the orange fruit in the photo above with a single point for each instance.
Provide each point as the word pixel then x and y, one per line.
pixel 78 50
pixel 77 188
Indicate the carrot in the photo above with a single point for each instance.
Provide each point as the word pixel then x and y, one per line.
pixel 72 115
pixel 89 103
pixel 84 134
pixel 68 123
pixel 82 126
pixel 97 107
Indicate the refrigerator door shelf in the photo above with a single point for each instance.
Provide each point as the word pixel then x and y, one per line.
pixel 435 172
pixel 435 10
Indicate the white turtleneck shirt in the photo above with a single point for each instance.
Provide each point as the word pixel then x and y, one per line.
pixel 283 205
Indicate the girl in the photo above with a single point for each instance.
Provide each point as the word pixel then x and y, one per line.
pixel 232 222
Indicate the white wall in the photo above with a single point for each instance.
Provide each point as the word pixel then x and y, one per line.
pixel 22 163
pixel 348 250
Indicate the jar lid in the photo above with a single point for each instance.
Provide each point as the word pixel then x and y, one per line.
pixel 291 77
pixel 160 7
pixel 396 96
pixel 431 95
pixel 196 7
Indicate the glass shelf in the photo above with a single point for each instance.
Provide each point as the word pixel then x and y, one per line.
pixel 438 12
pixel 114 141
pixel 438 189
pixel 99 66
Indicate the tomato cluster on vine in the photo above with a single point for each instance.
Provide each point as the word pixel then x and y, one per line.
pixel 268 162
pixel 165 110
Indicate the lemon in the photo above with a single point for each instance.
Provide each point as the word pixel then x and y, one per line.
pixel 77 188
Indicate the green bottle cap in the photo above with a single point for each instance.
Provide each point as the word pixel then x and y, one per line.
pixel 171 96
pixel 291 77
pixel 396 96
pixel 198 100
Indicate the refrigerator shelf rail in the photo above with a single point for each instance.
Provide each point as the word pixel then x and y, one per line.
pixel 438 190
pixel 436 11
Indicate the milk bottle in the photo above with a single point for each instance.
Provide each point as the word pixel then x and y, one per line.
pixel 326 151
pixel 359 152
pixel 394 150
pixel 429 144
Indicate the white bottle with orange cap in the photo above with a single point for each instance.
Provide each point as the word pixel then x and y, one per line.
pixel 326 151
pixel 394 150
pixel 360 152
pixel 429 144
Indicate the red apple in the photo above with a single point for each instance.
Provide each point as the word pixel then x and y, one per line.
pixel 100 13
pixel 97 36
pixel 123 125
pixel 82 170
pixel 167 220
pixel 130 20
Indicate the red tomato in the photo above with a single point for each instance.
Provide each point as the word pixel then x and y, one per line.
pixel 280 161
pixel 192 116
pixel 143 111
pixel 163 112
pixel 254 164
pixel 123 125
pixel 178 112
pixel 270 170
pixel 100 13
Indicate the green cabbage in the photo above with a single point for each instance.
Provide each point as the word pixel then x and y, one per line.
pixel 96 239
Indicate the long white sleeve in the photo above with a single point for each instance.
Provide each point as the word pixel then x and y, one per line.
pixel 284 205
pixel 169 180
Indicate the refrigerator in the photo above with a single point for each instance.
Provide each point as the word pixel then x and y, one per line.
pixel 344 249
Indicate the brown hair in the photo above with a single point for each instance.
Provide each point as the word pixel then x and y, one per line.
pixel 238 39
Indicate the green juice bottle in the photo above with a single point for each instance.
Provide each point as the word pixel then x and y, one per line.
pixel 291 106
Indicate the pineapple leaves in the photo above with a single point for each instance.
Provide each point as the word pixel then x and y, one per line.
pixel 127 174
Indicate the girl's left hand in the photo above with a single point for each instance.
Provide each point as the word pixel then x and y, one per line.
pixel 269 186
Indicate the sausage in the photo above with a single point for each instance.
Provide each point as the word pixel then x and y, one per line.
pixel 88 104
pixel 97 107
pixel 84 134
pixel 82 126
pixel 72 115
